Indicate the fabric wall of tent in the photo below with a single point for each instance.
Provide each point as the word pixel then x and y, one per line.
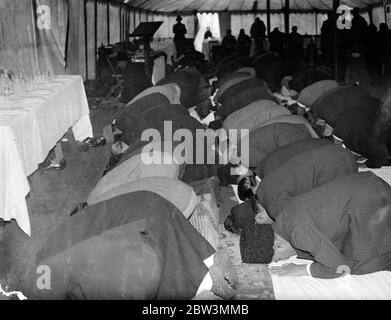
pixel 63 36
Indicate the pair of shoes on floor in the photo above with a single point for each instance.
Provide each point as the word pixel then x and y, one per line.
pixel 56 165
pixel 92 143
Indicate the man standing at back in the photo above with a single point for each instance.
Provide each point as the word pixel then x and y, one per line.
pixel 258 30
pixel 179 31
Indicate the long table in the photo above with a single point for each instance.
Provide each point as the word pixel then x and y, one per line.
pixel 30 126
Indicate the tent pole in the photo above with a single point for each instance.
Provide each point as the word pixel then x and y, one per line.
pixel 268 17
pixel 286 16
pixel 108 23
pixel 96 33
pixel 195 23
pixel 335 39
pixel 86 37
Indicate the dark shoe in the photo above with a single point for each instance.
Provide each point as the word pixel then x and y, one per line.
pixel 92 143
pixel 56 165
pixel 78 208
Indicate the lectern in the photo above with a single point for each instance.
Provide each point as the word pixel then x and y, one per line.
pixel 146 30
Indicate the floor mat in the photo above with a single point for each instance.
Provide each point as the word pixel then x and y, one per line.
pixel 255 282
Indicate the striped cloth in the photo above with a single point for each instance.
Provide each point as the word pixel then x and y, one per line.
pixel 202 220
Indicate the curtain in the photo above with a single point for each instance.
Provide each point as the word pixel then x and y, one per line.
pixel 33 35
pixel 51 22
pixel 131 21
pixel 378 16
pixel 224 22
pixel 205 20
pixel 143 16
pixel 165 30
pixel 239 21
pixel 91 39
pixel 305 23
pixel 76 43
pixel 102 24
pixel 137 17
pixel 114 24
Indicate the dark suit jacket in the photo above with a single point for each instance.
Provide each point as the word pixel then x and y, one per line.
pixel 246 95
pixel 354 115
pixel 266 139
pixel 339 224
pixel 278 157
pixel 135 246
pixel 302 173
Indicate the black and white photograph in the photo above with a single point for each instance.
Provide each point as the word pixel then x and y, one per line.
pixel 195 156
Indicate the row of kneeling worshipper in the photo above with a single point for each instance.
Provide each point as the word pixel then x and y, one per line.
pixel 144 233
pixel 300 188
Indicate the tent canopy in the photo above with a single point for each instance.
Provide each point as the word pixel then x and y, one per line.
pixel 241 5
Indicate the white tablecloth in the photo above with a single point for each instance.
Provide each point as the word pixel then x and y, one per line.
pixel 30 126
pixel 167 46
pixel 159 69
pixel 207 46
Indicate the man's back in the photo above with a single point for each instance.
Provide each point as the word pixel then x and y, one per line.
pixel 268 138
pixel 342 223
pixel 304 172
pixel 282 155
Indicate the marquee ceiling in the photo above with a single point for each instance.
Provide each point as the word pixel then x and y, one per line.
pixel 240 5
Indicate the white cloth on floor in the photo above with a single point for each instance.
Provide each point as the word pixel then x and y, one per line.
pixel 207 282
pixel 383 172
pixel 372 286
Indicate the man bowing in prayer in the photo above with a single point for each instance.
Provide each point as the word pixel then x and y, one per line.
pixel 343 226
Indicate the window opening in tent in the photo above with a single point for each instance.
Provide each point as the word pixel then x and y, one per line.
pixel 205 20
